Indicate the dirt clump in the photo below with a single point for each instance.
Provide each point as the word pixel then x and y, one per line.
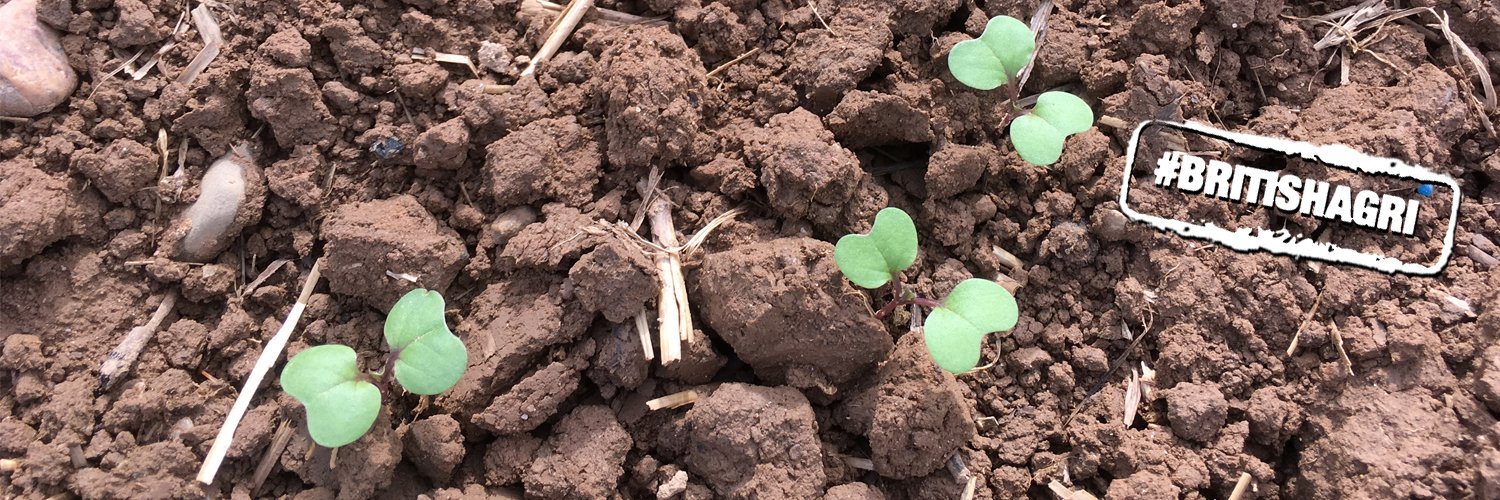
pixel 364 466
pixel 37 210
pixel 550 159
pixel 531 402
pixel 583 459
pixel 288 99
pixel 1143 486
pixel 136 25
pixel 863 119
pixel 854 491
pixel 1197 411
pixel 156 470
pixel 781 305
pixel 750 441
pixel 807 175
pixel 122 171
pixel 507 458
pixel 367 240
pixel 650 84
pixel 913 413
pixel 435 446
pixel 826 64
pixel 511 324
pixel 615 280
pixel 1389 444
pixel 444 147
pixel 956 168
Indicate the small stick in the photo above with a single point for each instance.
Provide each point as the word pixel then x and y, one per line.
pixel 671 401
pixel 643 327
pixel 1298 336
pixel 560 32
pixel 1338 343
pixel 600 14
pixel 268 357
pixel 969 488
pixel 1240 486
pixel 8 465
pixel 732 62
pixel 675 321
pixel 120 359
pixel 268 461
pixel 859 463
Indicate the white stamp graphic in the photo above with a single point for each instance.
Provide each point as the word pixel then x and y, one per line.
pixel 1341 193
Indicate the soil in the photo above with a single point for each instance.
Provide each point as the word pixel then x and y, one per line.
pixel 401 173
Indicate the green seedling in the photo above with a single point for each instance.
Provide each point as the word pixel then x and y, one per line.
pixel 342 402
pixel 995 60
pixel 957 325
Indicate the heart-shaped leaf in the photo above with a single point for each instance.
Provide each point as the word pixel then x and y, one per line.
pixel 429 359
pixel 954 331
pixel 996 57
pixel 1040 135
pixel 340 406
pixel 870 260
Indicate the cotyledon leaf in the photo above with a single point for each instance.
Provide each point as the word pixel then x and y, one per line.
pixel 340 406
pixel 996 57
pixel 954 331
pixel 871 260
pixel 430 359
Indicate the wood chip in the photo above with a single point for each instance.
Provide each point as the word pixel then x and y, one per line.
pixel 213 40
pixel 671 401
pixel 1240 486
pixel 859 463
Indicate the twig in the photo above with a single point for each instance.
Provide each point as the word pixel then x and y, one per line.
pixel 123 356
pixel 674 318
pixel 1338 343
pixel 1298 336
pixel 1240 486
pixel 1038 33
pixel 268 357
pixel 672 400
pixel 732 62
pixel 643 327
pixel 599 14
pixel 560 32
pixel 859 462
pixel 268 461
pixel 213 40
pixel 814 5
pixel 264 275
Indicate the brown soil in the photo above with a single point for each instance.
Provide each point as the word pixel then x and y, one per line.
pixel 494 199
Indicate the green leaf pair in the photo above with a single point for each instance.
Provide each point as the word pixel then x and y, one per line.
pixel 954 330
pixel 1039 136
pixel 342 403
pixel 995 59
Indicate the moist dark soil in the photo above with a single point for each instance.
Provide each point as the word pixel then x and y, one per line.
pixel 401 172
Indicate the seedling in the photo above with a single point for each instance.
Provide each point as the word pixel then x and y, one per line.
pixel 996 59
pixel 342 402
pixel 958 324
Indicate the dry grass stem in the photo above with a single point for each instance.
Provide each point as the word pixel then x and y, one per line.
pixel 732 62
pixel 123 356
pixel 1296 337
pixel 1240 486
pixel 213 40
pixel 859 463
pixel 1038 33
pixel 268 461
pixel 1338 343
pixel 561 30
pixel 671 401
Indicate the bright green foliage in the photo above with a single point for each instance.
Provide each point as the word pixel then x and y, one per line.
pixel 341 402
pixel 975 308
pixel 1039 136
pixel 429 359
pixel 996 57
pixel 871 260
pixel 341 406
